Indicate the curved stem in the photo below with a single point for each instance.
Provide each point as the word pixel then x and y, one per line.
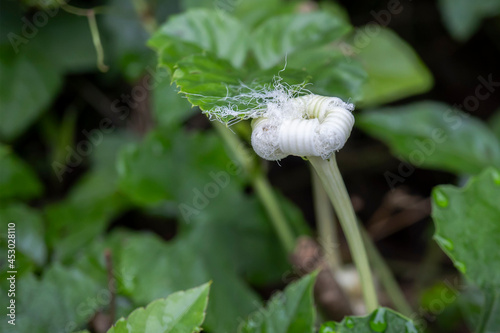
pixel 96 39
pixel 326 224
pixel 94 30
pixel 261 185
pixel 334 185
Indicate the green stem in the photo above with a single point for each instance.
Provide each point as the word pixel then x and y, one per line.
pixel 261 185
pixel 334 185
pixel 326 223
pixel 272 206
pixel 94 30
pixel 491 300
pixel 96 39
pixel 385 275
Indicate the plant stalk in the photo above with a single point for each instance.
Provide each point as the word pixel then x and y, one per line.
pixel 326 224
pixel 261 185
pixel 333 183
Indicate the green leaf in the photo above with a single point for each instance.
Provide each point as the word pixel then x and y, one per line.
pixel 17 179
pixel 291 311
pixel 468 231
pixel 210 78
pixel 394 69
pixel 63 299
pixel 190 176
pixel 133 254
pixel 382 320
pixel 209 82
pixel 468 227
pixel 249 12
pixel 332 73
pixel 29 230
pixel 472 302
pixel 285 34
pixel 170 109
pixel 29 83
pixel 181 312
pixel 66 41
pixel 75 221
pixel 165 167
pixel 435 136
pixel 92 202
pixel 463 17
pixel 211 30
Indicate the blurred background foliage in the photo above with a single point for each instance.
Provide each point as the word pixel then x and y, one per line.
pixel 98 157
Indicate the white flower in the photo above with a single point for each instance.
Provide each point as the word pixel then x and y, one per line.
pixel 309 125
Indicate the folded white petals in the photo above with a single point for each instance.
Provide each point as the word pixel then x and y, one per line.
pixel 317 126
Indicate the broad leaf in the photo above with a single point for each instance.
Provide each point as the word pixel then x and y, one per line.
pixel 332 72
pixel 210 78
pixel 468 230
pixel 75 221
pixel 285 34
pixel 179 264
pixel 209 82
pixel 463 17
pixel 165 167
pixel 29 230
pixel 472 302
pixel 196 181
pixel 468 226
pixel 434 135
pixel 394 69
pixel 191 177
pixel 250 12
pixel 382 320
pixel 92 202
pixel 29 83
pixel 181 312
pixel 62 299
pixel 211 30
pixel 17 179
pixel 289 312
pixel 170 108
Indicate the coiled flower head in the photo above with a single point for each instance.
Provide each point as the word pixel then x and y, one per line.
pixel 315 126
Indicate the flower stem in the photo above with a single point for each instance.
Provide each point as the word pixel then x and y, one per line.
pixel 263 189
pixel 329 174
pixel 326 224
